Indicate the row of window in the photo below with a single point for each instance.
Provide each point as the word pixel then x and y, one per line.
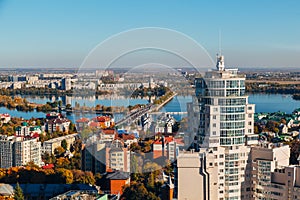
pixel 232 125
pixel 229 84
pixel 228 93
pixel 231 102
pixel 232 117
pixel 239 109
pixel 231 141
pixel 231 133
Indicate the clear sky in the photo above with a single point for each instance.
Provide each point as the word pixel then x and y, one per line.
pixel 60 33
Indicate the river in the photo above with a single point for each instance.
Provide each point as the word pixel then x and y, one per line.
pixel 263 102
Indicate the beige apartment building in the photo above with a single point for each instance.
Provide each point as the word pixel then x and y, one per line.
pixel 267 176
pixel 50 145
pixel 271 176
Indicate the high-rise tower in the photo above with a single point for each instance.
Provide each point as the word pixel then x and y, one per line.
pixel 224 131
pixel 226 117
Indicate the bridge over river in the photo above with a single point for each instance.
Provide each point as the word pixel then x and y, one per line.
pixel 149 108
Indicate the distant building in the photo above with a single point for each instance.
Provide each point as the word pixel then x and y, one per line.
pixel 59 124
pixel 128 139
pixel 15 78
pixel 66 84
pixel 32 79
pixel 53 115
pixel 82 123
pixel 103 122
pixel 16 85
pixel 108 134
pixel 25 130
pixel 5 118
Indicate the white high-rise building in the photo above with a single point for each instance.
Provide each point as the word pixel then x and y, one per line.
pixel 225 116
pixel 6 151
pixel 223 120
pixel 18 151
pixel 27 150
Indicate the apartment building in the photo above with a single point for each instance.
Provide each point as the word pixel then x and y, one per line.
pixel 269 174
pixel 104 156
pixel 18 151
pixel 58 124
pixel 223 120
pixel 27 150
pixel 6 151
pixel 50 145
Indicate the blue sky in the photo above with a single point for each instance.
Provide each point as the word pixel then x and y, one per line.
pixel 60 33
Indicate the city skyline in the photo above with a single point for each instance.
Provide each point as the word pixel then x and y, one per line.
pixel 62 33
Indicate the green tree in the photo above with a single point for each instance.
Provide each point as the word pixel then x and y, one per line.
pixel 38 122
pixel 64 144
pixel 60 103
pixel 65 175
pixel 256 130
pixel 68 106
pixel 18 193
pixel 72 128
pixel 58 151
pixel 134 167
pixel 137 191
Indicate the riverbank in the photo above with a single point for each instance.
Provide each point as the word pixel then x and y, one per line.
pixel 273 87
pixel 23 105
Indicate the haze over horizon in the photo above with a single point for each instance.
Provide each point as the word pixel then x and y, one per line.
pixel 62 33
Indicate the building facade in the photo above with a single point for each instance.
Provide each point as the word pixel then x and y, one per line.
pixel 18 151
pixel 27 150
pixel 223 120
pixel 50 145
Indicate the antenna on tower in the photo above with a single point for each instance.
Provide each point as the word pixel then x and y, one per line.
pixel 220 42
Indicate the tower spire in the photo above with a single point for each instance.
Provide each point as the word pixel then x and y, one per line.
pixel 220 59
pixel 220 42
pixel 220 63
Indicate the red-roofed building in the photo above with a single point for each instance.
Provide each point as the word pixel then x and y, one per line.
pixel 165 146
pixel 128 139
pixel 94 124
pixel 35 135
pixel 104 121
pixel 58 124
pixel 53 115
pixel 48 166
pixel 108 134
pixel 117 180
pixel 82 123
pixel 5 118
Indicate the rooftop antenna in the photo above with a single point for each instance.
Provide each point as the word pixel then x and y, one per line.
pixel 220 58
pixel 220 42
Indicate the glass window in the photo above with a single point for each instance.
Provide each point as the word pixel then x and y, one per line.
pixel 232 84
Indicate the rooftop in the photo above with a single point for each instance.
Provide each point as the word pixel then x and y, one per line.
pixel 118 175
